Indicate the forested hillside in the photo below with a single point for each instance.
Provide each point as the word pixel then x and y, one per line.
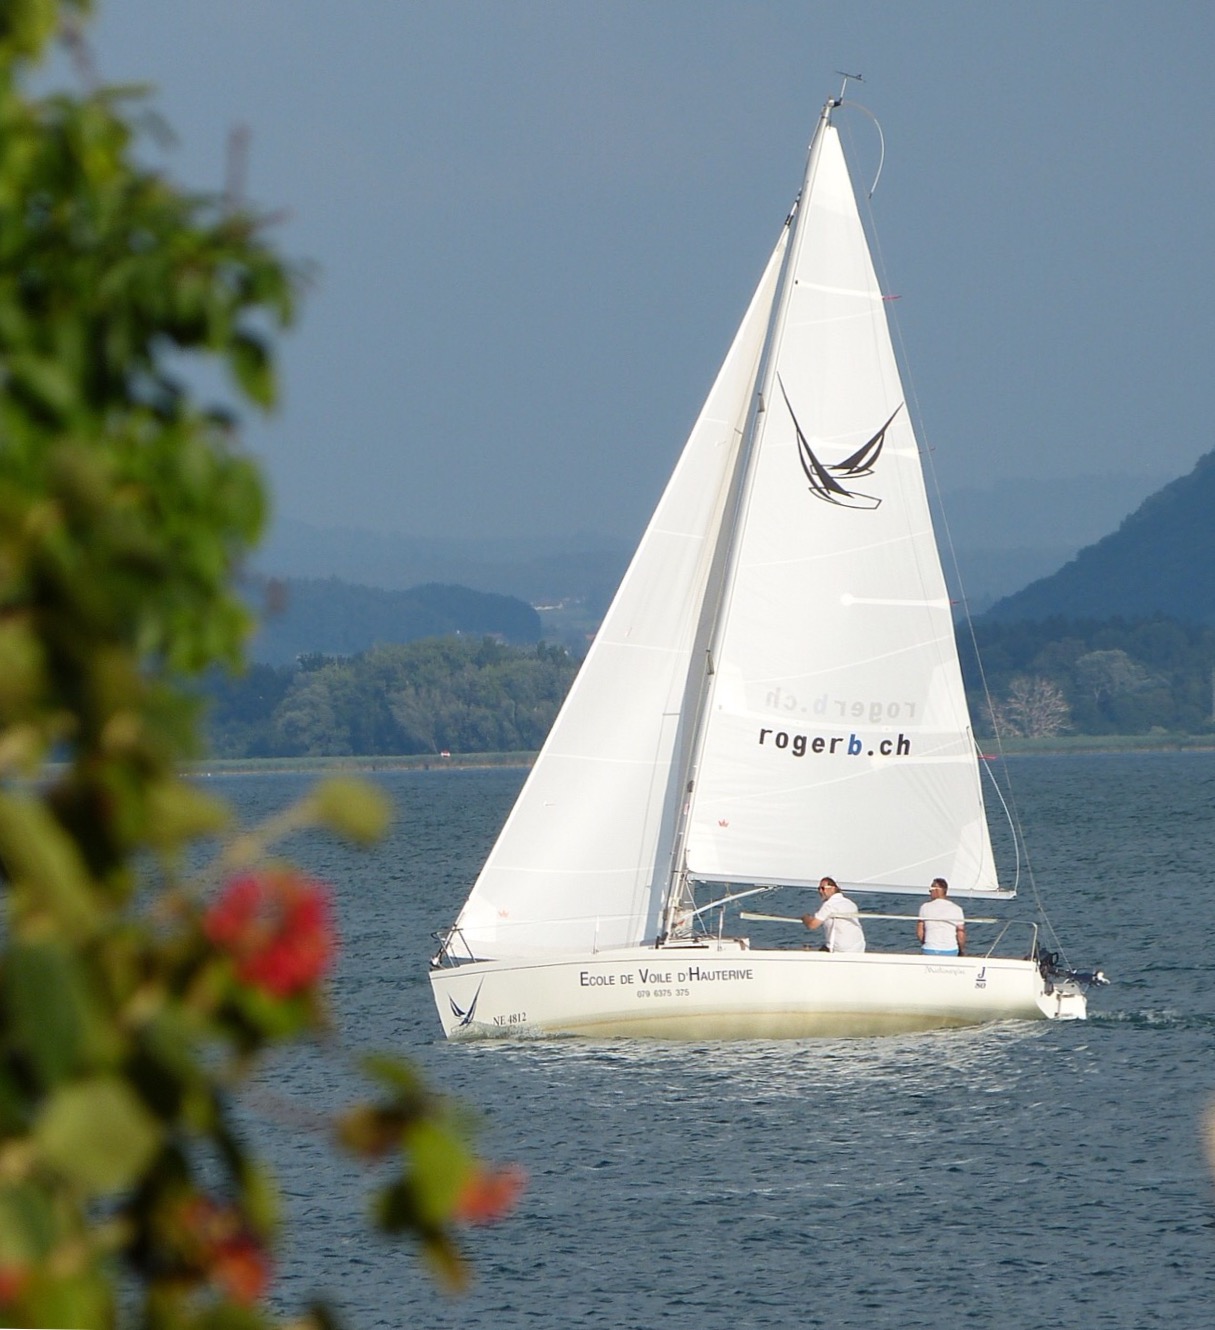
pixel 450 694
pixel 1088 676
pixel 1158 561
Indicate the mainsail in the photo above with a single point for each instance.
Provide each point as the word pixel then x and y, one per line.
pixel 835 738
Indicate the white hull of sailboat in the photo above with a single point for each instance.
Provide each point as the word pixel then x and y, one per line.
pixel 724 991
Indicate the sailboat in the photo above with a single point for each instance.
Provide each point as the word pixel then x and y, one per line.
pixel 774 694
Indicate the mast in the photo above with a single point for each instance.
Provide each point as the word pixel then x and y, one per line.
pixel 679 897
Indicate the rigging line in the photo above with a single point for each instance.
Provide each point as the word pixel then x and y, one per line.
pixel 1010 819
pixel 1009 803
pixel 877 124
pixel 1022 848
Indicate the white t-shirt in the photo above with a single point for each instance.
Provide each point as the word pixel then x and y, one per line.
pixel 941 918
pixel 841 928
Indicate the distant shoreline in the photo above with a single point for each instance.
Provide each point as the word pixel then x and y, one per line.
pixel 1059 745
pixel 235 766
pixel 1101 743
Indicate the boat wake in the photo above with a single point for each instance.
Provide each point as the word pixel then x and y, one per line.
pixel 1154 1019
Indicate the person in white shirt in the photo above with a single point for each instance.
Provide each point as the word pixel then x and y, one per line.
pixel 837 917
pixel 942 925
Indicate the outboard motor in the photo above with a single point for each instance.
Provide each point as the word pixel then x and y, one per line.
pixel 1062 976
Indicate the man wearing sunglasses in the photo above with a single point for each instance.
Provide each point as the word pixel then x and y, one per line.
pixel 942 923
pixel 836 916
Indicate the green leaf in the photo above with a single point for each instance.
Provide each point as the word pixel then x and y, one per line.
pixel 230 1316
pixel 14 1103
pixel 260 1196
pixel 178 812
pixel 44 864
pixel 98 1134
pixel 394 1073
pixel 441 1163
pixel 27 25
pixel 45 382
pixel 269 1018
pixel 353 808
pixel 46 1002
pixel 27 1224
pixel 21 667
pixel 71 1299
pixel 252 367
pixel 369 1130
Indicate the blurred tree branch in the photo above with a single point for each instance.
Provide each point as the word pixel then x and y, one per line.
pixel 135 998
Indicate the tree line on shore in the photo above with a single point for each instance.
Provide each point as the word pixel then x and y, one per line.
pixel 462 695
pixel 443 694
pixel 1089 676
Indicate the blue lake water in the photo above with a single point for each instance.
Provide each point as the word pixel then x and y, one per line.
pixel 1020 1175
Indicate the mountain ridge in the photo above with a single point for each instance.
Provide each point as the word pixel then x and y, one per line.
pixel 330 617
pixel 1019 546
pixel 1003 535
pixel 1157 561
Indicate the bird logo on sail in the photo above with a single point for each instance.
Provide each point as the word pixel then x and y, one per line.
pixel 830 481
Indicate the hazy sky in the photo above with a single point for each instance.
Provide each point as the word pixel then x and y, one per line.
pixel 536 224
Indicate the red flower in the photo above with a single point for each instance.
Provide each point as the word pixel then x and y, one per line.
pixel 276 924
pixel 489 1194
pixel 13 1279
pixel 242 1270
pixel 216 1243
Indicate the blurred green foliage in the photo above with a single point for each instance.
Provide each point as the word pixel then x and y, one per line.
pixel 136 996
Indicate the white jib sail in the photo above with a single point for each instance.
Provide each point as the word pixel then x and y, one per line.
pixel 836 736
pixel 574 866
